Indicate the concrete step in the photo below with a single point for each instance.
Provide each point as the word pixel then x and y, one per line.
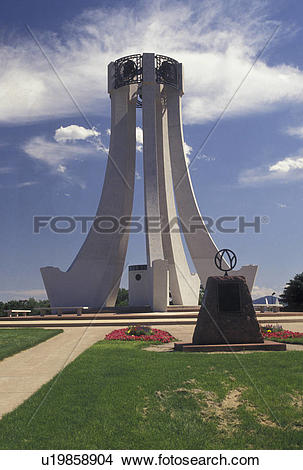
pixel 126 309
pixel 183 308
pixel 156 322
pixel 104 316
pixel 172 317
pixel 280 314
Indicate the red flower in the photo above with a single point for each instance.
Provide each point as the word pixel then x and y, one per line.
pixel 282 334
pixel 157 335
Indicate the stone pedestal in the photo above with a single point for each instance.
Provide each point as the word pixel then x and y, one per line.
pixel 227 314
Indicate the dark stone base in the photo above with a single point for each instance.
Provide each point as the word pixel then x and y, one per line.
pixel 266 346
pixel 227 315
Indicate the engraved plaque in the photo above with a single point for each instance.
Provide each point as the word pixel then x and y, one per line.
pixel 229 297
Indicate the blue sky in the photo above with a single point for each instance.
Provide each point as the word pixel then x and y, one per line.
pixel 252 165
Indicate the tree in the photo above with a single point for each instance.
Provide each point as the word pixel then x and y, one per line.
pixel 201 294
pixel 27 304
pixel 122 298
pixel 293 294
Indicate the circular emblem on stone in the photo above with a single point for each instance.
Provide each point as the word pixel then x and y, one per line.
pixel 138 277
pixel 230 259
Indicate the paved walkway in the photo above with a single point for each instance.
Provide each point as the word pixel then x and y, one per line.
pixel 24 373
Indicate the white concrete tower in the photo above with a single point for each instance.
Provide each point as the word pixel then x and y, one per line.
pixel 94 277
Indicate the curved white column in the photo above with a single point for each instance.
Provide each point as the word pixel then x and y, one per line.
pixel 200 243
pixel 184 286
pixel 93 278
pixel 150 91
pixel 159 193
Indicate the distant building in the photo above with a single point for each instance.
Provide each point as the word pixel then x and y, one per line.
pixel 267 299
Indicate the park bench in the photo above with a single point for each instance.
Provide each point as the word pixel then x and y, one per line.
pixel 61 310
pixel 16 312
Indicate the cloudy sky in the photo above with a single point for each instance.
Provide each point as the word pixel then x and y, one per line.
pixel 243 86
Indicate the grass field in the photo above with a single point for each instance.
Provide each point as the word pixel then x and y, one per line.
pixel 288 340
pixel 13 340
pixel 118 396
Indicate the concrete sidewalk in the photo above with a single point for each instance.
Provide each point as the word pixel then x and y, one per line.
pixel 24 373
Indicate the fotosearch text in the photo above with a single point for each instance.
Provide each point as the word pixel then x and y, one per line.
pixel 64 224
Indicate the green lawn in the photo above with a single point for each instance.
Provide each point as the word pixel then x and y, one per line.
pixel 118 396
pixel 13 340
pixel 288 340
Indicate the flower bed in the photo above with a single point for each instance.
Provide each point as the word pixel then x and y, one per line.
pixel 276 333
pixel 140 333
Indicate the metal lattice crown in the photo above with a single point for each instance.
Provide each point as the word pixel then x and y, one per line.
pixel 129 70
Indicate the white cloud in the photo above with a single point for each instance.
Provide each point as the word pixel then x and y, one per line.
pixel 108 132
pixel 283 171
pixel 6 170
pixel 61 168
pixel 295 131
pixel 287 164
pixel 216 41
pixel 139 135
pixel 187 152
pixel 187 149
pixel 55 154
pixel 74 132
pixel 261 291
pixel 138 176
pixel 26 183
pixel 139 139
pixel 207 158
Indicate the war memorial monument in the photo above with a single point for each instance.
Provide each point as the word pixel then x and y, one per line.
pixel 153 83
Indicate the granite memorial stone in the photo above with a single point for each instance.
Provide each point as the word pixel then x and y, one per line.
pixel 227 314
